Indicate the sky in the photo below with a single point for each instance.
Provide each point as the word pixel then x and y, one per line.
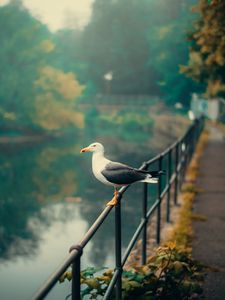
pixel 59 14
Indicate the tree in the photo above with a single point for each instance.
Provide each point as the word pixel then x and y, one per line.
pixel 32 92
pixel 115 41
pixel 169 48
pixel 142 43
pixel 25 45
pixel 207 53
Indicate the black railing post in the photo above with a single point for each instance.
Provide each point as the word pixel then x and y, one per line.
pixel 176 173
pixel 189 146
pixel 76 272
pixel 181 159
pixel 118 250
pixel 169 186
pixel 158 227
pixel 192 141
pixel 76 278
pixel 184 159
pixel 144 217
pixel 186 153
pixel 194 136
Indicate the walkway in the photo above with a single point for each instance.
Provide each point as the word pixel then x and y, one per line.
pixel 209 235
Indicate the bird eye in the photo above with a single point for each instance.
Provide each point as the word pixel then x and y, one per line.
pixel 94 146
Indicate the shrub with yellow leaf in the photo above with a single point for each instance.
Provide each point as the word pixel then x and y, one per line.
pixel 207 53
pixel 55 104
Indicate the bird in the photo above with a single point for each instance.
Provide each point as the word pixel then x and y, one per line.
pixel 116 174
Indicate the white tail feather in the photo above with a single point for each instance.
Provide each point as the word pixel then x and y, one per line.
pixel 150 179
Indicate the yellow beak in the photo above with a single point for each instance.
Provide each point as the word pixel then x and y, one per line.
pixel 85 150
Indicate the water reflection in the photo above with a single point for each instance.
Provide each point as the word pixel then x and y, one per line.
pixel 48 199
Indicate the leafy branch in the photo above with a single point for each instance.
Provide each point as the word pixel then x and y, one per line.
pixel 169 274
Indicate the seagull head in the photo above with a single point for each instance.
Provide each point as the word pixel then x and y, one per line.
pixel 94 147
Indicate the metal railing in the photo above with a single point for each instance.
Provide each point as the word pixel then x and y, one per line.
pixel 176 159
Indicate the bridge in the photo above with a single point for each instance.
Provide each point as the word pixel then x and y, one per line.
pixel 110 102
pixel 175 160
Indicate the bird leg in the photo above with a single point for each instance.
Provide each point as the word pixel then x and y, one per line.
pixel 114 200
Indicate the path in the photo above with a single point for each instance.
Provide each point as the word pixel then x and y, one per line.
pixel 209 235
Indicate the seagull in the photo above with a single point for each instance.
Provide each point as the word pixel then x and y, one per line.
pixel 116 174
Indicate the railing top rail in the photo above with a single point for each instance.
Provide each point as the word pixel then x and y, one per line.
pixel 76 250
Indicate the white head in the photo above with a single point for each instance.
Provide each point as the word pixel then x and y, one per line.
pixel 94 147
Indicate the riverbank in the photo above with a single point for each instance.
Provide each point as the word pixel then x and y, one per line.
pixel 167 127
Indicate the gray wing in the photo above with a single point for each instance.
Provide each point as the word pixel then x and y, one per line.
pixel 122 174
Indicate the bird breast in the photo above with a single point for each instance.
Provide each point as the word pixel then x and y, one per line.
pixel 98 164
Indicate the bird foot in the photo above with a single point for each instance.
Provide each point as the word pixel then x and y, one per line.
pixel 114 200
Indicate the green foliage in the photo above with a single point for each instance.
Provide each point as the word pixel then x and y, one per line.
pixel 169 274
pixel 112 41
pixel 21 48
pixel 169 48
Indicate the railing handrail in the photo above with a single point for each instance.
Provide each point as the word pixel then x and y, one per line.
pixel 76 250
